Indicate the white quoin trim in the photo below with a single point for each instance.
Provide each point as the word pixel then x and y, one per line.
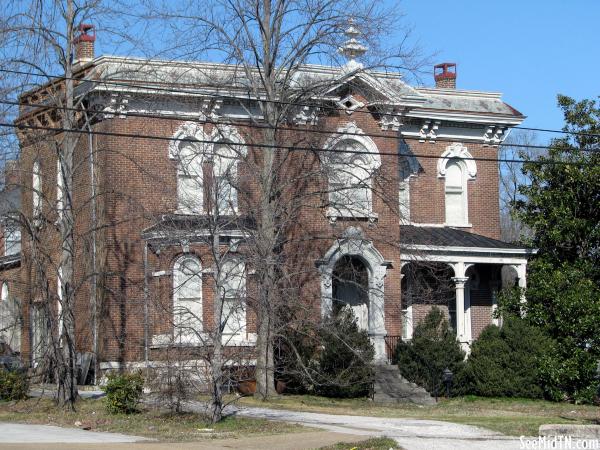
pixel 354 243
pixel 458 151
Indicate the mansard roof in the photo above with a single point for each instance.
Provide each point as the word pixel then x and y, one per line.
pixel 198 79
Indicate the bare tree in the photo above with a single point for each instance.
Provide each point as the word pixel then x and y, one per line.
pixel 42 42
pixel 269 42
pixel 511 177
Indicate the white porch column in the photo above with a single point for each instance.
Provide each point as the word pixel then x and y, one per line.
pixel 377 331
pixel 494 286
pixel 460 279
pixel 522 282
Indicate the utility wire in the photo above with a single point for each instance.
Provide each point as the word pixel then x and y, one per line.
pixel 174 117
pixel 281 147
pixel 249 97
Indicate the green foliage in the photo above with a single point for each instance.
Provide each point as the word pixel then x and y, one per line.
pixel 14 385
pixel 123 392
pixel 333 360
pixel 562 207
pixel 505 362
pixel 432 349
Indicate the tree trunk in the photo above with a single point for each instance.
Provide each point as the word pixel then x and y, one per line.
pixel 67 365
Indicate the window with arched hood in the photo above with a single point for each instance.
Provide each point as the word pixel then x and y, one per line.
pixel 190 179
pixel 207 169
pixel 404 173
pixel 350 167
pixel 224 178
pixel 233 291
pixel 187 299
pixel 456 193
pixel 456 165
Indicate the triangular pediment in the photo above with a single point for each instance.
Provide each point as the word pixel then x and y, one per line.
pixel 376 90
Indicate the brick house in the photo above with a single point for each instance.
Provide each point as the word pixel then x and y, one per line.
pixel 420 226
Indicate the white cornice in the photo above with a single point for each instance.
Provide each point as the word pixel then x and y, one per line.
pixel 458 249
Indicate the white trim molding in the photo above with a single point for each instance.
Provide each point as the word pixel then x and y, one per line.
pixel 459 151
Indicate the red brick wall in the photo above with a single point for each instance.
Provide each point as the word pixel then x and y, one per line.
pixel 136 183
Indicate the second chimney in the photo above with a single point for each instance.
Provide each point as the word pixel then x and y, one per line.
pixel 445 75
pixel 84 43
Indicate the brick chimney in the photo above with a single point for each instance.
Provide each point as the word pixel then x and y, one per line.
pixel 445 75
pixel 84 43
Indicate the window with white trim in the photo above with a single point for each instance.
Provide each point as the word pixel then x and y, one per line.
pixel 36 189
pixel 59 189
pixel 224 178
pixel 12 238
pixel 456 193
pixel 350 173
pixel 233 286
pixel 187 299
pixel 59 310
pixel 404 173
pixel 190 180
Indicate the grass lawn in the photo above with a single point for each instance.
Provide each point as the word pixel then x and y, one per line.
pixel 149 423
pixel 514 417
pixel 369 444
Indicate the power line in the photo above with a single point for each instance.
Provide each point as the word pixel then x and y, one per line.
pixel 223 96
pixel 281 147
pixel 173 117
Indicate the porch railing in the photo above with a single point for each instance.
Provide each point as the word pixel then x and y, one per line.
pixel 391 342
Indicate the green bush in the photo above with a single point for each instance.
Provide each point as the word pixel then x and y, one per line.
pixel 332 359
pixel 123 392
pixel 345 358
pixel 505 362
pixel 432 349
pixel 14 385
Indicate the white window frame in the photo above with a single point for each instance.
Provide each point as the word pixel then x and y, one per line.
pixel 236 296
pixel 190 131
pixel 12 238
pixel 187 305
pixel 459 154
pixel 60 186
pixel 36 189
pixel 459 191
pixel 351 138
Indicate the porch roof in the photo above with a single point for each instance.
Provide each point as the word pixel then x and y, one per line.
pixel 448 240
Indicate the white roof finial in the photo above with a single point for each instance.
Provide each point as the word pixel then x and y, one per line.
pixel 352 48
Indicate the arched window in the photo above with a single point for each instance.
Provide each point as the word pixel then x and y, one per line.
pixel 457 166
pixel 190 178
pixel 350 160
pixel 187 299
pixel 456 193
pixel 233 287
pixel 404 173
pixel 224 185
pixel 36 188
pixel 206 173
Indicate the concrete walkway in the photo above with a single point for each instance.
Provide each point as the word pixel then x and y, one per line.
pixel 411 434
pixel 291 441
pixel 41 434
